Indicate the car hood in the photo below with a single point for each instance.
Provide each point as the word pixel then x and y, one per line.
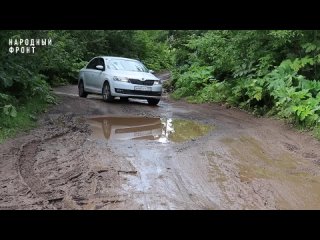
pixel 134 75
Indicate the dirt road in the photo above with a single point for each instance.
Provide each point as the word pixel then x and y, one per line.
pixel 173 156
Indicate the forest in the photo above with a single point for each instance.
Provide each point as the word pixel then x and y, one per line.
pixel 272 73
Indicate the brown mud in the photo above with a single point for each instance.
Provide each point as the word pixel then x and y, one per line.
pixel 187 156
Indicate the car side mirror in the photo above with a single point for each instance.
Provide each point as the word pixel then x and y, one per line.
pixel 99 67
pixel 151 71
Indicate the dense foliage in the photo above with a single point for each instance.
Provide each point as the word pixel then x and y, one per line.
pixel 274 72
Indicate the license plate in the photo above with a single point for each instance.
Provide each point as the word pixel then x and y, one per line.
pixel 140 88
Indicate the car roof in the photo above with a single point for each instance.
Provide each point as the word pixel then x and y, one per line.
pixel 122 58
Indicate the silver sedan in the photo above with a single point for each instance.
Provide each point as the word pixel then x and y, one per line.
pixel 119 77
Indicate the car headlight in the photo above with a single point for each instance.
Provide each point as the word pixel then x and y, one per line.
pixel 121 79
pixel 156 82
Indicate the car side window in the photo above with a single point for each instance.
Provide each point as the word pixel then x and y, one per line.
pixel 93 64
pixel 101 62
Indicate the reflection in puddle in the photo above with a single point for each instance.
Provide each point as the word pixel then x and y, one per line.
pixel 159 129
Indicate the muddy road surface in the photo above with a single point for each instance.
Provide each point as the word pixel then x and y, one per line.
pixel 88 154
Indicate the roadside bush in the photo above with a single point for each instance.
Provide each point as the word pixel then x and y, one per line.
pixel 190 82
pixel 266 72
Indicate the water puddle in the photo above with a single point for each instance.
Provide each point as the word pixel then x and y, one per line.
pixel 142 128
pixel 295 180
pixel 180 130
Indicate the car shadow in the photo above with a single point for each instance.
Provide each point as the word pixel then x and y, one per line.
pixel 131 101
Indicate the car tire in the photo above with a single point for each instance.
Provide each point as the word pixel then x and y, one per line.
pixel 106 93
pixel 82 92
pixel 153 101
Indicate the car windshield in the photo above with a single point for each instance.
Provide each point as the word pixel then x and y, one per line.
pixel 126 65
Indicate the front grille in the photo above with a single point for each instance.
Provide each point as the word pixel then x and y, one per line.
pixel 139 82
pixel 136 92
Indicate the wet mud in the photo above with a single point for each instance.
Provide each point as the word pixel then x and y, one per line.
pixel 88 154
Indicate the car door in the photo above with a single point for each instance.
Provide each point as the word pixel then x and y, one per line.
pixel 88 74
pixel 98 76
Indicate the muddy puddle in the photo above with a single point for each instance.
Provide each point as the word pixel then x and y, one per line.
pixel 143 128
pixel 281 169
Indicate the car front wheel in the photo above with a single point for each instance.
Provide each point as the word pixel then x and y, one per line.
pixel 106 93
pixel 82 93
pixel 153 101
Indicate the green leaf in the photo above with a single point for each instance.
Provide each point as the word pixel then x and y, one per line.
pixel 258 96
pixel 13 112
pixel 10 110
pixel 309 47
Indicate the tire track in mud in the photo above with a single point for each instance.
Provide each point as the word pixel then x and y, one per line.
pixel 66 179
pixel 26 162
pixel 65 176
pixel 36 163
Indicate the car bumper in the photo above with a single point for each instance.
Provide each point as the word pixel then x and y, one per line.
pixel 120 89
